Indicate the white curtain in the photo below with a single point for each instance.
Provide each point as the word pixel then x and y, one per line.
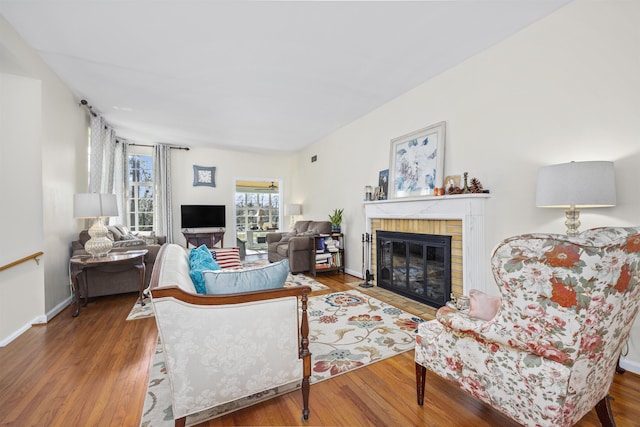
pixel 109 173
pixel 120 184
pixel 102 157
pixel 102 162
pixel 163 218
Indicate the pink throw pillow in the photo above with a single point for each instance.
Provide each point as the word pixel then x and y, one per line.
pixel 483 306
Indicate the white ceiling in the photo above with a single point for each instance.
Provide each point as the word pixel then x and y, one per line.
pixel 255 75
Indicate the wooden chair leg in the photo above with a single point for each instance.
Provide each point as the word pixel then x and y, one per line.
pixel 603 409
pixel 306 385
pixel 421 374
pixel 619 369
pixel 305 355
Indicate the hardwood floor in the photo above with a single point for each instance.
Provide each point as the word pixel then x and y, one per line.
pixel 93 371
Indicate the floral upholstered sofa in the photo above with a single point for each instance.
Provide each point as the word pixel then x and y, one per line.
pixel 549 353
pixel 226 351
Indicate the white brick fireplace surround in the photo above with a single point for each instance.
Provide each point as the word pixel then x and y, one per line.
pixel 468 208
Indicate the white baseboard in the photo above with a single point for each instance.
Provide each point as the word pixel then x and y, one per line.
pixel 354 273
pixel 630 365
pixel 58 308
pixel 15 335
pixel 38 320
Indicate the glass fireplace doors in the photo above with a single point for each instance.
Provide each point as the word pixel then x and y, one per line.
pixel 417 266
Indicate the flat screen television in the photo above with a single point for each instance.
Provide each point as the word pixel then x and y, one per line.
pixel 203 216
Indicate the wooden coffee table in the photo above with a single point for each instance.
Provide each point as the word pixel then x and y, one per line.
pixel 115 261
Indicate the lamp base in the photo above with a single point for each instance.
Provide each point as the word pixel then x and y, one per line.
pixel 572 222
pixel 292 223
pixel 99 244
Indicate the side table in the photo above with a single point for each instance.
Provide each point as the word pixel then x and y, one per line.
pixel 210 239
pixel 115 261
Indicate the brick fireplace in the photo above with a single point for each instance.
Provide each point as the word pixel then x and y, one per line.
pixel 459 216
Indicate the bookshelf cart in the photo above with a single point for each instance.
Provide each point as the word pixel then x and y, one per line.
pixel 327 253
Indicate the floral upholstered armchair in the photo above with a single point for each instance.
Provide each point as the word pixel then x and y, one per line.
pixel 549 353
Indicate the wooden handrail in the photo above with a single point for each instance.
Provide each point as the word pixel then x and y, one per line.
pixel 21 260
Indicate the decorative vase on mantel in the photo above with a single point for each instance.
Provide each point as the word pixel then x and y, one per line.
pixel 465 189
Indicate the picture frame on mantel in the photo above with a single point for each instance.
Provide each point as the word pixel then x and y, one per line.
pixel 383 183
pixel 416 162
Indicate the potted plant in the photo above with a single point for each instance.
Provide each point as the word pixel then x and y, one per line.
pixel 336 220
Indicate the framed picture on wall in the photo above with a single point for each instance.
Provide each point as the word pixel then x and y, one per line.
pixel 417 162
pixel 204 175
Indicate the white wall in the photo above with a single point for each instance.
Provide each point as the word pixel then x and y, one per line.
pixel 565 88
pixel 22 286
pixel 48 194
pixel 230 166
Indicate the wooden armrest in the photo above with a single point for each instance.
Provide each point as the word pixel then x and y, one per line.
pixel 242 297
pixel 178 293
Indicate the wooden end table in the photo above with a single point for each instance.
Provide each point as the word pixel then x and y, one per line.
pixel 210 239
pixel 115 261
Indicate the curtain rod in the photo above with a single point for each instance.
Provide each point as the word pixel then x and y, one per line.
pixel 173 147
pixel 84 104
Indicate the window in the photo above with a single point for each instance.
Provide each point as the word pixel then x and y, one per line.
pixel 257 211
pixel 140 194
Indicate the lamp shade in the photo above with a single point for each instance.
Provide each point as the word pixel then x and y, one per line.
pixel 93 205
pixel 292 209
pixel 579 184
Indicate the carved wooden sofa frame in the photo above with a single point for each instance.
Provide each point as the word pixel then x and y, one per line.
pixel 172 301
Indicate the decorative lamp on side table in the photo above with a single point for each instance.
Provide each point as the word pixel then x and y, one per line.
pixel 98 206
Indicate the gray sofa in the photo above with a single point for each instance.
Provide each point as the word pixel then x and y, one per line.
pixel 117 281
pixel 296 246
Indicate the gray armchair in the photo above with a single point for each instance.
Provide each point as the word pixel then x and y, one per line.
pixel 296 246
pixel 242 245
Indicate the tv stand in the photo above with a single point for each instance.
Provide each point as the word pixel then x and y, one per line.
pixel 209 238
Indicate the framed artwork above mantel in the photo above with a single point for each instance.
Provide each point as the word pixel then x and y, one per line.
pixel 416 162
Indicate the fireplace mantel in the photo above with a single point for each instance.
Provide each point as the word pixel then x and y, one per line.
pixel 469 208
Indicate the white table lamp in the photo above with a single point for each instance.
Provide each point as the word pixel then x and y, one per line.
pixel 292 210
pixel 576 185
pixel 98 206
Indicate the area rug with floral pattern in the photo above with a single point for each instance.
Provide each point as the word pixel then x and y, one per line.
pixel 347 330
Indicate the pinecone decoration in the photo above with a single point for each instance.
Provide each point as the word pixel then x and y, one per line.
pixel 476 186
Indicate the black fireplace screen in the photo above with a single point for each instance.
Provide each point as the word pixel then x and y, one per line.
pixel 417 266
